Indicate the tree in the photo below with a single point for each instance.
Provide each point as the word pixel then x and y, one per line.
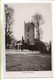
pixel 9 20
pixel 50 48
pixel 38 20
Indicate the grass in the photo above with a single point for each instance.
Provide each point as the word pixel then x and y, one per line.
pixel 28 62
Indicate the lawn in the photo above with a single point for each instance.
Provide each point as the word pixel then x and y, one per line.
pixel 28 62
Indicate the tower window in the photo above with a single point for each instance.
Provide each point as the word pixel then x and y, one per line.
pixel 27 40
pixel 27 35
pixel 27 28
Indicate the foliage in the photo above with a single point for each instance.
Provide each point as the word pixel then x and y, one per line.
pixel 38 20
pixel 9 20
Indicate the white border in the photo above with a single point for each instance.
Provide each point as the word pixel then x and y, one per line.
pixel 25 74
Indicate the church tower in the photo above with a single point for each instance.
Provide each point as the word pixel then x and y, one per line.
pixel 29 33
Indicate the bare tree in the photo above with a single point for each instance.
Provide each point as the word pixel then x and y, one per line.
pixel 9 20
pixel 38 20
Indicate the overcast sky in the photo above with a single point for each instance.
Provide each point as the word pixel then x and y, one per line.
pixel 25 11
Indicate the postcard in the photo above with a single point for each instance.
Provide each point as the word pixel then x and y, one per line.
pixel 28 40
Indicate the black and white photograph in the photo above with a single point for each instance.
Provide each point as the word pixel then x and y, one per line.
pixel 28 37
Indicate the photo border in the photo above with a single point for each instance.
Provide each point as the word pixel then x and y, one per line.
pixel 25 74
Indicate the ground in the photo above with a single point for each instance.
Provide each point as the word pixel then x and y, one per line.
pixel 27 61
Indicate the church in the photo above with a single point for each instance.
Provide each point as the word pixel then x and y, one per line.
pixel 31 39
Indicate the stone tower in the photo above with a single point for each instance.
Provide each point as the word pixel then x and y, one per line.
pixel 29 33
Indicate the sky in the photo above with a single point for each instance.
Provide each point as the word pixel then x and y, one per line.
pixel 25 11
